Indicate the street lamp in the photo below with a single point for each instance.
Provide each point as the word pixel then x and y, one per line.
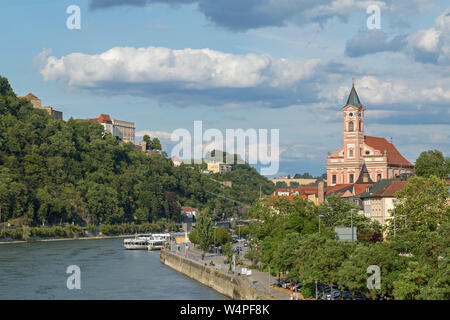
pixel 215 238
pixel 351 222
pixel 320 215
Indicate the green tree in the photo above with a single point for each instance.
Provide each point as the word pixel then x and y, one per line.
pixel 423 203
pixel 155 144
pixel 353 272
pixel 193 237
pixel 223 235
pixel 204 227
pixel 228 251
pixel 432 162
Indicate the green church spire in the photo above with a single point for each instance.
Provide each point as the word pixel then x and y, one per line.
pixel 353 98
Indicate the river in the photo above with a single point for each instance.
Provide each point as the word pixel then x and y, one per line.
pixel 37 270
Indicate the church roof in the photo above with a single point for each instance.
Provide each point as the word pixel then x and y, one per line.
pixel 384 188
pixel 353 98
pixel 393 155
pixel 364 172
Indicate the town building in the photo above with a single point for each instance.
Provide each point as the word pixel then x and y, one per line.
pixel 37 104
pixel 219 167
pixel 378 156
pixel 123 130
pixel 378 200
pixel 288 181
pixel 176 161
pixel 188 212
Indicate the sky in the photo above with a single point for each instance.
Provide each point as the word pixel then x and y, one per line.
pixel 250 64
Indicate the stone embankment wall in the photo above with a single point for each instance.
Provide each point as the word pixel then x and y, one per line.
pixel 232 286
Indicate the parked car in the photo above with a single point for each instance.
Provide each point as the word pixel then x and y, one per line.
pixel 336 294
pixel 327 289
pixel 346 295
pixel 358 295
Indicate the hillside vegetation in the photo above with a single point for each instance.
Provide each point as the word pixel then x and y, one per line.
pixel 55 172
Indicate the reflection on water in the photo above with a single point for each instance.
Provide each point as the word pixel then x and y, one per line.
pixel 38 271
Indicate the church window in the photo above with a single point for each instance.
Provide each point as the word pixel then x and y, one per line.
pixel 334 179
pixel 365 177
pixel 350 153
pixel 350 126
pixel 351 178
pixel 379 177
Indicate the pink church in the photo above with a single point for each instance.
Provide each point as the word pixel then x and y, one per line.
pixel 363 159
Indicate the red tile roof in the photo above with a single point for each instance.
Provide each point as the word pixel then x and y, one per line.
pixel 30 95
pixel 104 118
pixel 381 144
pixel 188 209
pixel 332 189
pixel 360 188
pixel 390 189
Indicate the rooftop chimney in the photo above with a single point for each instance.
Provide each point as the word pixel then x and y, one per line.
pixel 320 192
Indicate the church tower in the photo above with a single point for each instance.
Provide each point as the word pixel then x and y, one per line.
pixel 353 128
pixel 363 159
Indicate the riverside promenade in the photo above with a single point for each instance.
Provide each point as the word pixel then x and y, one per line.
pixel 259 283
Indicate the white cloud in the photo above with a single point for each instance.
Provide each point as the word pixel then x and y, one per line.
pixel 433 45
pixel 373 91
pixel 186 76
pixel 191 68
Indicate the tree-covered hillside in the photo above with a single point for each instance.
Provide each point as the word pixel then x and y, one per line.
pixel 53 172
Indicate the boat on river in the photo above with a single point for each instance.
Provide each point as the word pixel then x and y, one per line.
pixel 147 241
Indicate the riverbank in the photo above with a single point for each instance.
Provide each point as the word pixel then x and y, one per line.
pixel 230 285
pixel 65 239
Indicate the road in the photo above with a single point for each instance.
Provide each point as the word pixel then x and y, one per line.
pixel 258 280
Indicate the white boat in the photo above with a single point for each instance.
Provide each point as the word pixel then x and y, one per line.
pixel 155 244
pixel 146 241
pixel 161 236
pixel 135 244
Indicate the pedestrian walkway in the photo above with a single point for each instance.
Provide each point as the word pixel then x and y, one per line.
pixel 258 280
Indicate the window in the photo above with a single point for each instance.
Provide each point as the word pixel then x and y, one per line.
pixel 379 177
pixel 351 178
pixel 350 126
pixel 350 153
pixel 334 179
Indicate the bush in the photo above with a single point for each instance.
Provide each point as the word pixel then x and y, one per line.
pixel 308 290
pixel 193 237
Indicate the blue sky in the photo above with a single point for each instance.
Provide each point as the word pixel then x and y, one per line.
pixel 284 64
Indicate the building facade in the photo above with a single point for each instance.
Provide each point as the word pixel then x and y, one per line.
pixel 219 167
pixel 381 159
pixel 123 130
pixel 379 200
pixel 37 103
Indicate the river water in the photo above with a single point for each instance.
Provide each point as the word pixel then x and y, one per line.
pixel 107 271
